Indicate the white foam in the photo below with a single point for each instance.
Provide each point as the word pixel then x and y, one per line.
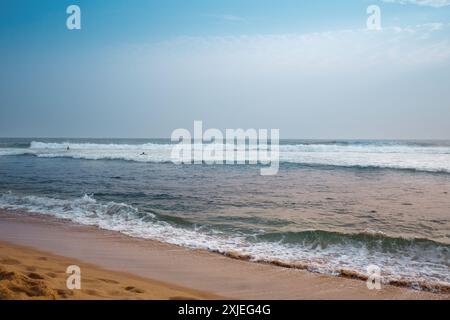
pixel 406 264
pixel 391 156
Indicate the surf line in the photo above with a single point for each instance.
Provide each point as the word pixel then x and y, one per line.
pixel 236 146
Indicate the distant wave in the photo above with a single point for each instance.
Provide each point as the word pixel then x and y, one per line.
pixel 420 263
pixel 386 155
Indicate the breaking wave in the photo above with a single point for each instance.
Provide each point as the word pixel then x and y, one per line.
pixel 417 263
pixel 387 155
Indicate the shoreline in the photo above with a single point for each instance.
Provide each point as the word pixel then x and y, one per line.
pixel 200 270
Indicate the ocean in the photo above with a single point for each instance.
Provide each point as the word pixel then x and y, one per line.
pixel 335 207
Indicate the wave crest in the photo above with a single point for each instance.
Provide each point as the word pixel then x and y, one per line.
pixel 425 158
pixel 408 261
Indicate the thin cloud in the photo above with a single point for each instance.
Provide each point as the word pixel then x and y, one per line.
pixel 429 3
pixel 349 49
pixel 227 17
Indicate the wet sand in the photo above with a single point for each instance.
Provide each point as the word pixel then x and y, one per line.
pixel 146 264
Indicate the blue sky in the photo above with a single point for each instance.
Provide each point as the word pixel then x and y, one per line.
pixel 41 23
pixel 145 68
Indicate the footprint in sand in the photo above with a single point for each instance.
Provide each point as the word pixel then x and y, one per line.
pixel 9 261
pixel 134 290
pixel 109 281
pixel 92 292
pixel 18 284
pixel 63 293
pixel 35 276
pixel 115 293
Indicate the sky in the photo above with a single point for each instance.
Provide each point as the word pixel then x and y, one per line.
pixel 141 69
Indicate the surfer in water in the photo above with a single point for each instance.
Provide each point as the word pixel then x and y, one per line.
pixel 68 148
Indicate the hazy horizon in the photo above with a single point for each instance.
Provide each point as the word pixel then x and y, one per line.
pixel 281 139
pixel 310 69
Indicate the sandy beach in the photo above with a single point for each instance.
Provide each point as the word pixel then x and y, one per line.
pixel 27 273
pixel 35 252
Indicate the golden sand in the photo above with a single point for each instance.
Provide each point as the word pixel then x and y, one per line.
pixel 31 274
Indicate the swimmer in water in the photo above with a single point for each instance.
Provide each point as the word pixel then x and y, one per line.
pixel 68 148
pixel 143 154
